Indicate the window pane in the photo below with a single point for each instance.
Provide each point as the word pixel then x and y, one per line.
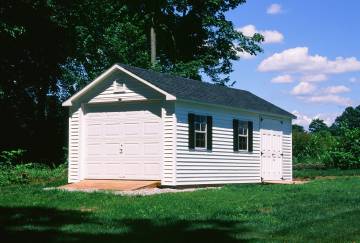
pixel 242 131
pixel 243 128
pixel 197 126
pixel 242 143
pixel 200 123
pixel 200 140
pixel 243 124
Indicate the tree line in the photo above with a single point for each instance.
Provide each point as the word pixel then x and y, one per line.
pixel 337 145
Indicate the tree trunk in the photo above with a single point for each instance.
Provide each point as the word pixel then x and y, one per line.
pixel 153 45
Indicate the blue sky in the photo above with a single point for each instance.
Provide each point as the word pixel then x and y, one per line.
pixel 316 71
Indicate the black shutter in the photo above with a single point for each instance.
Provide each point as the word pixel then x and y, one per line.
pixel 250 127
pixel 236 135
pixel 209 132
pixel 191 119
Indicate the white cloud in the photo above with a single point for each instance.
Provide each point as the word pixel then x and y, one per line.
pixel 301 119
pixel 313 78
pixel 326 99
pixel 281 79
pixel 274 8
pixel 305 120
pixel 270 36
pixel 298 60
pixel 303 88
pixel 336 89
pixel 245 55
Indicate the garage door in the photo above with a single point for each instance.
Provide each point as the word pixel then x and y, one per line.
pixel 123 142
pixel 271 149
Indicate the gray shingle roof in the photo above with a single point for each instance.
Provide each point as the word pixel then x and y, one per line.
pixel 188 89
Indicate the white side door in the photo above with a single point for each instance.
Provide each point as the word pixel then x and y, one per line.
pixel 271 149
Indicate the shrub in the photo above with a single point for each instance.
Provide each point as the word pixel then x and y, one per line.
pixel 11 157
pixel 32 173
pixel 346 152
pixel 301 141
pixel 312 148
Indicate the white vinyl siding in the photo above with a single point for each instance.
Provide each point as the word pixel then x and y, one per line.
pixel 287 151
pixel 108 91
pixel 169 167
pixel 74 144
pixel 221 165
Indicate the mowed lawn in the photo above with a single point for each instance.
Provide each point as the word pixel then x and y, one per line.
pixel 326 209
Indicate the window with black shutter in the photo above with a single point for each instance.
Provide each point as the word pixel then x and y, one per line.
pixel 200 132
pixel 243 135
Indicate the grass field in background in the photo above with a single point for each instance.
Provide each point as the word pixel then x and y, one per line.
pixel 325 209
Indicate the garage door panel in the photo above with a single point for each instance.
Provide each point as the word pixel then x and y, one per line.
pixel 94 150
pixel 152 128
pixel 133 148
pixel 111 149
pixel 112 129
pixel 133 169
pixel 133 128
pixel 95 130
pixel 152 148
pixel 123 144
pixel 151 169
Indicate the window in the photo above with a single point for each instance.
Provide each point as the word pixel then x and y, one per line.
pixel 200 131
pixel 243 135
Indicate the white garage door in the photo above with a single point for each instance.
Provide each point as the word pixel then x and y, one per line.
pixel 271 149
pixel 123 142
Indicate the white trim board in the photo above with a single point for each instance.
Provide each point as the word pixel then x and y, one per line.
pixel 69 102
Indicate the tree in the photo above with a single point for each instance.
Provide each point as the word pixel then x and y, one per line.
pixel 32 46
pixel 298 128
pixel 350 118
pixel 192 36
pixel 346 153
pixel 317 125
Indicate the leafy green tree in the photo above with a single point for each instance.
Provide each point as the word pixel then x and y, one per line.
pixel 350 118
pixel 346 152
pixel 192 36
pixel 297 128
pixel 301 146
pixel 318 125
pixel 32 46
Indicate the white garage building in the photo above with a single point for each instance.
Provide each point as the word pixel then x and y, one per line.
pixel 135 124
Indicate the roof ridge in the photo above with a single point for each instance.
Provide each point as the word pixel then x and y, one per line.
pixel 177 76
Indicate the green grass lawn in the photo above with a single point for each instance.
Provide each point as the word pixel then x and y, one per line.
pixel 321 210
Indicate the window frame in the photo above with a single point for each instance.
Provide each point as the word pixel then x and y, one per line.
pixel 204 118
pixel 242 122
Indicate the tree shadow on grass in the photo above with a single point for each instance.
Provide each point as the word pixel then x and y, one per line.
pixel 36 224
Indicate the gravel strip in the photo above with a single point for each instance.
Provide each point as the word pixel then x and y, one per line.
pixel 141 192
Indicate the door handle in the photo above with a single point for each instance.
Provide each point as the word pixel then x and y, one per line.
pixel 121 149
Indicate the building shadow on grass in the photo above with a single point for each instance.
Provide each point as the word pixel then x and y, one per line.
pixel 37 224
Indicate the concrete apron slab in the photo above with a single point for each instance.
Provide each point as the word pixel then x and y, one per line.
pixel 110 185
pixel 294 182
